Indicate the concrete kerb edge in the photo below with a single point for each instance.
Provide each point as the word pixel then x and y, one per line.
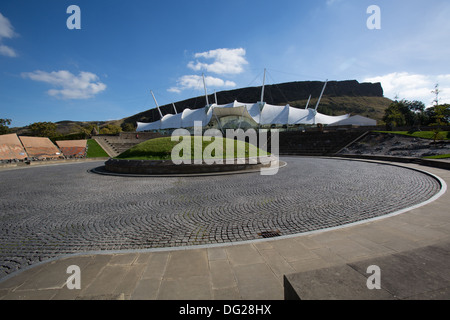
pixel 39 164
pixel 98 170
pixel 237 243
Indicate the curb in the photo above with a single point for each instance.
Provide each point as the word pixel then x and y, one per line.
pixel 420 161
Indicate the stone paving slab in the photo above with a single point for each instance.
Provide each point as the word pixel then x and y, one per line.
pixel 417 274
pixel 255 270
pixel 335 283
pixel 80 212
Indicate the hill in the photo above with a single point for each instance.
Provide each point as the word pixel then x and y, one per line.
pixel 67 127
pixel 340 97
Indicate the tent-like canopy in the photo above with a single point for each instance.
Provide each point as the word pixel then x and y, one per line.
pixel 356 121
pixel 261 113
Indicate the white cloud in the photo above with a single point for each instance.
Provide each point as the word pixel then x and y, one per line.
pixel 196 82
pixel 225 61
pixel 409 86
pixel 331 2
pixel 7 51
pixel 6 29
pixel 83 86
pixel 7 32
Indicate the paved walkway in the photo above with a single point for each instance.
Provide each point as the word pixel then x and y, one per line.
pixel 251 270
pixel 78 211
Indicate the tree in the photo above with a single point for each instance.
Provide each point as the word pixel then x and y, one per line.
pixel 110 129
pixel 43 129
pixel 415 106
pixel 439 114
pixel 397 114
pixel 128 127
pixel 442 114
pixel 405 113
pixel 87 128
pixel 436 91
pixel 4 123
pixel 393 117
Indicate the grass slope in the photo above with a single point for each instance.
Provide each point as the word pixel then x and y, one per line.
pixel 161 149
pixel 95 150
pixel 443 135
pixel 440 156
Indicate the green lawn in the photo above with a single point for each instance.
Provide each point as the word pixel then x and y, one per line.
pixel 441 156
pixel 161 149
pixel 95 150
pixel 444 135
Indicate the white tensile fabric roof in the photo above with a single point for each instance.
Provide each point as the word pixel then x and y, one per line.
pixel 356 121
pixel 261 113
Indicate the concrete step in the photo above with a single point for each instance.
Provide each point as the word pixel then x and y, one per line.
pixel 105 145
pixel 419 274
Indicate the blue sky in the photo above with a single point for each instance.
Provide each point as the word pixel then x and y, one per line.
pixel 124 49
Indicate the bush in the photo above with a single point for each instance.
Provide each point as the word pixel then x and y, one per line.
pixel 128 127
pixel 110 129
pixel 72 136
pixel 43 129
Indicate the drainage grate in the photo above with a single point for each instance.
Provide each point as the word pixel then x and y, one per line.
pixel 269 234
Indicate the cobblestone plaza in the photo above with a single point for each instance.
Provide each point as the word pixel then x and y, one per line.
pixel 50 211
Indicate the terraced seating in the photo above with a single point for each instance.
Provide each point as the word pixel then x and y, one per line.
pixel 115 145
pixel 313 143
pixel 316 143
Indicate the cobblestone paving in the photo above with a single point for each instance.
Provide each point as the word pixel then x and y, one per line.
pixel 49 211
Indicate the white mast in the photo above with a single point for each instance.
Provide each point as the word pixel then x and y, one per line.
pixel 215 96
pixel 204 85
pixel 262 91
pixel 307 104
pixel 207 102
pixel 323 89
pixel 174 108
pixel 157 106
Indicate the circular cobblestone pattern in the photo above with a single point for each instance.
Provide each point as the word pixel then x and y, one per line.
pixel 49 211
